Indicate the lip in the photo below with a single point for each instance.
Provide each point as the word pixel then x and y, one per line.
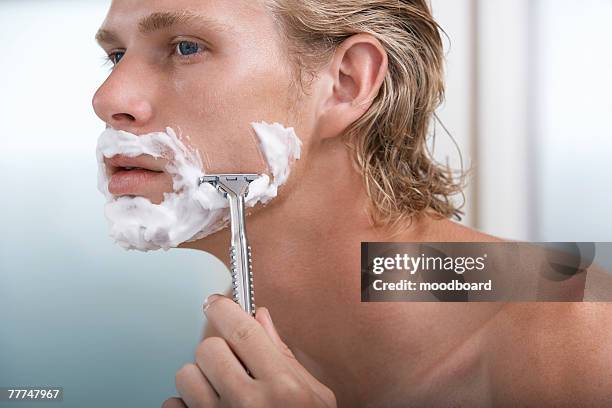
pixel 133 182
pixel 146 175
pixel 119 162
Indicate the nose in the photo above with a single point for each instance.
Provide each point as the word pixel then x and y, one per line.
pixel 124 101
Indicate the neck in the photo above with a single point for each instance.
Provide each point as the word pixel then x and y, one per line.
pixel 320 212
pixel 306 267
pixel 309 237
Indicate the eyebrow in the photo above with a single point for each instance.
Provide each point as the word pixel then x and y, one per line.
pixel 164 20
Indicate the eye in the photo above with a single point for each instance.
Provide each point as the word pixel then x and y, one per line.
pixel 186 48
pixel 116 56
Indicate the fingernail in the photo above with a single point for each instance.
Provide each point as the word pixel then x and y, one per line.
pixel 209 300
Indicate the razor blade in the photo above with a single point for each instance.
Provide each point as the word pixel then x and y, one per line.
pixel 235 187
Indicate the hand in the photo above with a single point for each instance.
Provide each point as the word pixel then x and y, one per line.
pixel 219 379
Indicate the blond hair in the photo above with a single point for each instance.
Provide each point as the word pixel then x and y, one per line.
pixel 389 142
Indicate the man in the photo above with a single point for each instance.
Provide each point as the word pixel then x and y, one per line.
pixel 359 82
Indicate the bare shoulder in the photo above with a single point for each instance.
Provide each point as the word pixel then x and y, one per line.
pixel 450 231
pixel 553 354
pixel 598 284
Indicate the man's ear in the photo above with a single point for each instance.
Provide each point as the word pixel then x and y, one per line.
pixel 353 80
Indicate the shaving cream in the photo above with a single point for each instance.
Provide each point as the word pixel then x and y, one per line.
pixel 190 212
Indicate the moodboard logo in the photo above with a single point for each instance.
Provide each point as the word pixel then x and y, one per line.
pixel 494 271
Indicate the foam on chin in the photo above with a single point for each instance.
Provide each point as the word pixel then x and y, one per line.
pixel 190 212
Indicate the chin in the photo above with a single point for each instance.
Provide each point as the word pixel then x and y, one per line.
pixel 155 198
pixel 190 245
pixel 212 243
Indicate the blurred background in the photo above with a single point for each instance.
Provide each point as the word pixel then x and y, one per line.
pixel 527 103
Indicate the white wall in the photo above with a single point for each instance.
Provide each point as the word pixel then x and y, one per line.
pixel 541 102
pixel 573 124
pixel 503 113
pixel 457 113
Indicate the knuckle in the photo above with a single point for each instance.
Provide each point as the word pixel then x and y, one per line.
pixel 287 388
pixel 207 347
pixel 212 342
pixel 244 332
pixel 248 400
pixel 183 374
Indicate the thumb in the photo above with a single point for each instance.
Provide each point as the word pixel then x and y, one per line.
pixel 262 315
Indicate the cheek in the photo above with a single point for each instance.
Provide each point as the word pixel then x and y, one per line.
pixel 216 110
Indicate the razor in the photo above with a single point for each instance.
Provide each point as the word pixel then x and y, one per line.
pixel 235 188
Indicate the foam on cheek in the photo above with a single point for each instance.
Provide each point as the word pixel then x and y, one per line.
pixel 190 212
pixel 280 147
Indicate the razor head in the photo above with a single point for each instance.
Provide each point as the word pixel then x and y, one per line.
pixel 233 184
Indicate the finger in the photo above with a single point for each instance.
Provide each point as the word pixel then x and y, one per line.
pixel 221 367
pixel 174 403
pixel 246 337
pixel 194 388
pixel 263 317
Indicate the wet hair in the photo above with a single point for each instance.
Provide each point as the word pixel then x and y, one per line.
pixel 389 142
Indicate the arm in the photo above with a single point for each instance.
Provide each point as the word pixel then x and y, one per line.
pixel 585 366
pixel 598 284
pixel 560 355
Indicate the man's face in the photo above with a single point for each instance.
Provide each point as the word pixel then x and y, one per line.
pixel 206 68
